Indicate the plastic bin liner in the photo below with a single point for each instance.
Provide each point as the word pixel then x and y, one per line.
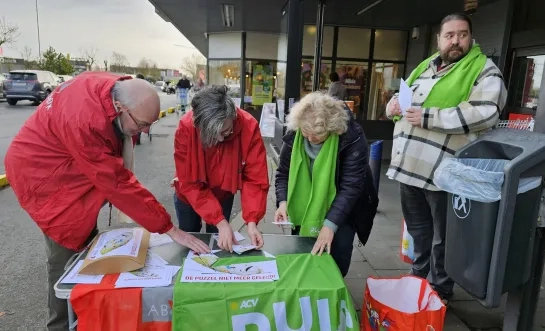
pixel 477 179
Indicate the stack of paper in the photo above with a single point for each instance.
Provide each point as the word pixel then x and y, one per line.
pixel 74 277
pixel 149 276
pixel 156 239
pixel 238 236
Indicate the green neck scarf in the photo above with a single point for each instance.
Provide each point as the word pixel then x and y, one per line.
pixel 456 85
pixel 311 196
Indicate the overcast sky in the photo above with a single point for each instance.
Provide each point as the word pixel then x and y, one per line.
pixel 130 27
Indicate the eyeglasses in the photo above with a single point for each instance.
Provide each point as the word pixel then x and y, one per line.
pixel 140 125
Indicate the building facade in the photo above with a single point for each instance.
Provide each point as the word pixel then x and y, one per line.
pixel 271 51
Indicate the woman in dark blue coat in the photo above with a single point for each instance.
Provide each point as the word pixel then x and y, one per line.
pixel 324 185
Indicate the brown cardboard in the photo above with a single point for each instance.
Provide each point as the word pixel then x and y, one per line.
pixel 118 263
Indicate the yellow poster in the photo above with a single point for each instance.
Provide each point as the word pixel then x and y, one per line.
pixel 262 84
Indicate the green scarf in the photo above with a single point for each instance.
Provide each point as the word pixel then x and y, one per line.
pixel 310 197
pixel 456 85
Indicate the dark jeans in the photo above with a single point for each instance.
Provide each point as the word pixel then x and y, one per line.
pixel 57 257
pixel 425 214
pixel 341 246
pixel 190 221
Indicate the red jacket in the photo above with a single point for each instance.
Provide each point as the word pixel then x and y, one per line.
pixel 65 163
pixel 205 177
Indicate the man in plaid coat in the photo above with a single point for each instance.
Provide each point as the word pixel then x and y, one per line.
pixel 457 95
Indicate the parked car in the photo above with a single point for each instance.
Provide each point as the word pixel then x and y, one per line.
pixel 65 78
pixel 2 80
pixel 161 86
pixel 33 85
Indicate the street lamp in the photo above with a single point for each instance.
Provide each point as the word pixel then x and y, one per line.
pixel 38 28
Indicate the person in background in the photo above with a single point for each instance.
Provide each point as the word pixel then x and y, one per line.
pixel 218 150
pixel 324 183
pixel 71 158
pixel 183 86
pixel 336 89
pixel 457 95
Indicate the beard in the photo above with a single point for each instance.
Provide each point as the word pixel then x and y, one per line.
pixel 453 54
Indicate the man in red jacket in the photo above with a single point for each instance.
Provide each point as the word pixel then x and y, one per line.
pixel 218 150
pixel 66 163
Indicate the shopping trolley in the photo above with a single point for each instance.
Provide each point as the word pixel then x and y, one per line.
pixel 182 96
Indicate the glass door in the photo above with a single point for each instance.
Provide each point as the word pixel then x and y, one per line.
pixel 526 81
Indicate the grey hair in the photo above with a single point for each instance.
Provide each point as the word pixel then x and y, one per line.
pixel 211 107
pixel 129 92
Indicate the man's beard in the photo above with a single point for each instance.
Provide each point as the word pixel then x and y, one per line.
pixel 449 58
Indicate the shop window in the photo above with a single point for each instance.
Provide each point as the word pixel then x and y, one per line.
pixel 309 40
pixel 307 74
pixel 353 76
pixel 226 73
pixel 527 75
pixel 353 43
pixel 261 86
pixel 390 45
pixel 385 79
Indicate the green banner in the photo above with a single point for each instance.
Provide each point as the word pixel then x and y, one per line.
pixel 262 84
pixel 310 296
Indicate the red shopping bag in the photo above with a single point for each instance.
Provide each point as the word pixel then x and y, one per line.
pixel 407 303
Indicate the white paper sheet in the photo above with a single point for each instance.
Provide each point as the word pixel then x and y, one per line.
pixel 118 242
pixel 202 259
pixel 405 97
pixel 269 255
pixel 156 239
pixel 239 249
pixel 153 259
pixel 151 276
pixel 282 223
pixel 265 271
pixel 238 236
pixel 74 277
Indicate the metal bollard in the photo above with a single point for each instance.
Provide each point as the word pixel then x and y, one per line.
pixel 375 161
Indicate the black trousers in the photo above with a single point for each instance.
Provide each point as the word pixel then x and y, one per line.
pixel 425 214
pixel 190 221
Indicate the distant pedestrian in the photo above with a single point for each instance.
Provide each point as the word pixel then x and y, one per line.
pixel 336 89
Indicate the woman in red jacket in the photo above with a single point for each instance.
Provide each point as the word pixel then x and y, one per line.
pixel 218 150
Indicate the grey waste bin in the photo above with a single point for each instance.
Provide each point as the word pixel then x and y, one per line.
pixel 489 244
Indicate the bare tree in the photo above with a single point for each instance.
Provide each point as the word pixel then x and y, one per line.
pixel 105 65
pixel 119 62
pixel 9 32
pixel 89 54
pixel 27 56
pixel 190 64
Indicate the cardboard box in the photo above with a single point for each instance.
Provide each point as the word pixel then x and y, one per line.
pixel 116 251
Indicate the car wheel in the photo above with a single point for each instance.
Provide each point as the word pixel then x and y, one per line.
pixel 11 102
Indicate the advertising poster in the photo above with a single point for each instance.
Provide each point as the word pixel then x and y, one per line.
pixel 262 84
pixel 353 78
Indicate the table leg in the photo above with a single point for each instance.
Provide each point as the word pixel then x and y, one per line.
pixel 72 321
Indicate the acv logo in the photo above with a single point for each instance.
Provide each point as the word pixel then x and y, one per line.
pixel 461 206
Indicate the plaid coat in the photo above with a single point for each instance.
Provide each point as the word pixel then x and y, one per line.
pixel 417 152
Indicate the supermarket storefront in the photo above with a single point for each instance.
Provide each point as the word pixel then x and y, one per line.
pixel 265 51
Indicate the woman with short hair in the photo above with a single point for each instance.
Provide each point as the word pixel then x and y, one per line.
pixel 323 181
pixel 218 150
